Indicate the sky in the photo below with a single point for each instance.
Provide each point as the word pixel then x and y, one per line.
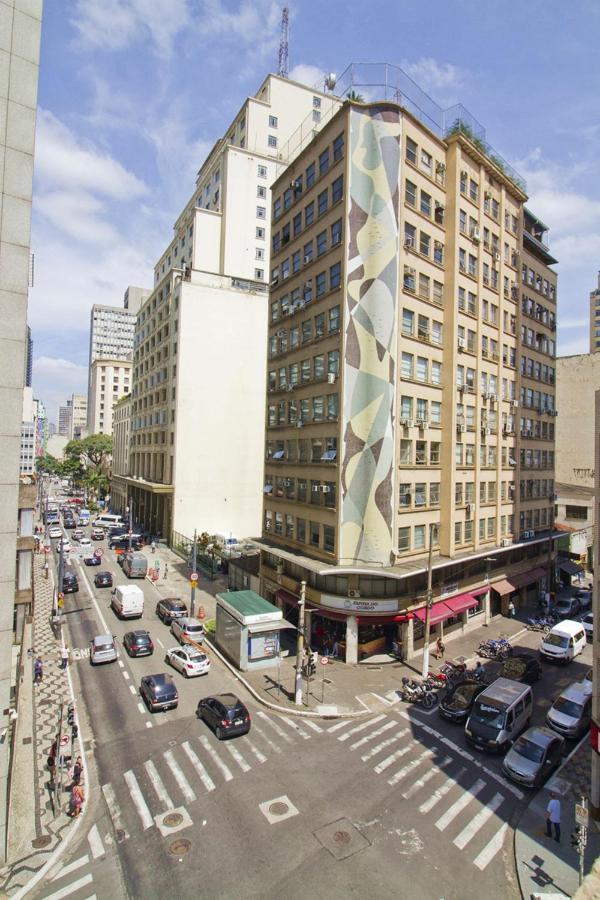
pixel 134 93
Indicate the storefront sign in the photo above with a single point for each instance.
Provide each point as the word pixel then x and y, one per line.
pixel 353 604
pixel 448 589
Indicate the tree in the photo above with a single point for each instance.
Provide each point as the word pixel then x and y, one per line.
pixel 47 463
pixel 94 450
pixel 353 95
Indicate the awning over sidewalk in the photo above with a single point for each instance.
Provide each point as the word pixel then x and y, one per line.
pixel 526 578
pixel 439 613
pixel 568 566
pixel 462 602
pixel 503 587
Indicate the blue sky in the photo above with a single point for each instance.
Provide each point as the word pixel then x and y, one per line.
pixel 133 93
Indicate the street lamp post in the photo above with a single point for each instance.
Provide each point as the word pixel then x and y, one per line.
pixel 488 566
pixel 193 582
pixel 300 645
pixel 429 602
pixel 129 511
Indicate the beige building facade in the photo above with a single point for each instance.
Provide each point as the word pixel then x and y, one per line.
pixel 110 379
pixel 121 427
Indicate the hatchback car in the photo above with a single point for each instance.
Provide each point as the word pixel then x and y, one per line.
pixel 170 608
pixel 97 534
pixel 188 661
pixel 92 560
pixel 533 756
pixel 567 607
pixel 70 583
pixel 521 667
pixel 55 532
pixel 103 649
pixel 186 629
pixel 70 524
pixel 571 712
pixel 78 534
pixel 584 597
pixel 588 625
pixel 159 692
pixel 225 714
pixel 85 541
pixel 103 579
pixel 458 700
pixel 138 643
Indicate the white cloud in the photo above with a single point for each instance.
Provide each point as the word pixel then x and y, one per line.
pixel 432 75
pixel 78 215
pixel 312 76
pixel 55 379
pixel 116 24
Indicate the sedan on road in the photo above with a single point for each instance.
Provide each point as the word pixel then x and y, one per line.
pixel 103 649
pixel 78 534
pixel 55 532
pixel 571 712
pixel 588 625
pixel 567 607
pixel 92 560
pixel 70 583
pixel 65 544
pixel 97 534
pixel 138 643
pixel 458 700
pixel 521 667
pixel 103 579
pixel 188 661
pixel 225 714
pixel 187 629
pixel 533 756
pixel 170 608
pixel 159 692
pixel 85 541
pixel 584 598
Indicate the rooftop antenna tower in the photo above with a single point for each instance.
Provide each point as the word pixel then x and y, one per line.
pixel 283 69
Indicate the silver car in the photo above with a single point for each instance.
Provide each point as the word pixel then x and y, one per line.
pixel 571 712
pixel 103 649
pixel 187 629
pixel 533 756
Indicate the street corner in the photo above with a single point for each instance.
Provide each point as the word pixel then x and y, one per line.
pixel 278 810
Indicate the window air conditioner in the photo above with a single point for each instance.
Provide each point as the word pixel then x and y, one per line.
pixel 354 594
pixel 469 508
pixel 406 422
pixel 461 343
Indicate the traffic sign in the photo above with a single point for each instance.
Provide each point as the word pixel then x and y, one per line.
pixel 581 814
pixel 64 740
pixel 194 576
pixel 324 660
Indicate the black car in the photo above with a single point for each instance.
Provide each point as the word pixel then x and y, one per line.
pixel 103 579
pixel 458 700
pixel 93 560
pixel 521 667
pixel 70 524
pixel 159 692
pixel 138 643
pixel 170 608
pixel 225 714
pixel 122 543
pixel 70 584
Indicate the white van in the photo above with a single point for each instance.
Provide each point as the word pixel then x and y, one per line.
pixel 499 714
pixel 128 601
pixel 564 642
pixel 108 519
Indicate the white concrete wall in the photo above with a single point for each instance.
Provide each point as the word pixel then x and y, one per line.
pixel 240 202
pixel 207 241
pixel 220 409
pixel 577 380
pixel 100 421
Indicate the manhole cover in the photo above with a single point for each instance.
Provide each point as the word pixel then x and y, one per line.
pixel 278 808
pixel 172 820
pixel 341 837
pixel 180 847
pixel 40 842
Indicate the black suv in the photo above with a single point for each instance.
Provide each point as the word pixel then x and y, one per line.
pixel 70 584
pixel 159 692
pixel 171 608
pixel 225 714
pixel 138 643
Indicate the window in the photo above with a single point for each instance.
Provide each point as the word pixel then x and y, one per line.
pixel 424 244
pixel 408 322
pixel 420 494
pixel 338 147
pixel 321 283
pixel 259 274
pixel 272 121
pixel 328 538
pixel 407 365
pixel 405 452
pixel 404 496
pixel 297 224
pixel 309 214
pixel 336 233
pixel 411 151
pixel 272 140
pixel 260 253
pixel 262 171
pixel 310 175
pixel 260 234
pixel 296 261
pixel 337 189
pixel 308 253
pixel 316 103
pixel 335 276
pixel 410 193
pixel 287 199
pixel 315 529
pixel 261 191
pixel 403 539
pixel 322 202
pixel 458 532
pixel 321 243
pixel 324 161
pixel 425 204
pixel 419 537
pixel 334 318
pixel 261 212
pixel 422 369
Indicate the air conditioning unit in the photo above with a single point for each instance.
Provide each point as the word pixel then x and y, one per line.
pixel 408 270
pixel 461 427
pixel 506 542
pixel 406 422
pixel 290 311
pixel 461 343
pixel 316 488
pixel 496 256
pixel 279 568
pixel 493 398
pixel 485 431
pixel 409 244
pixel 464 174
pixel 281 333
pixel 354 594
pixel 462 388
pixel 331 377
pixel 469 508
pixel 514 403
pixel 475 234
pixel 299 423
pixel 424 335
pixel 325 489
pixel 440 167
pixel 421 423
pixel 307 259
pixel 291 387
pixel 487 195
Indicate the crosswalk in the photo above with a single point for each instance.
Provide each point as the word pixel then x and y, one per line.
pixel 76 877
pixel 466 802
pixel 175 778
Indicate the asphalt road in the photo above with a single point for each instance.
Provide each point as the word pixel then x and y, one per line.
pixel 393 804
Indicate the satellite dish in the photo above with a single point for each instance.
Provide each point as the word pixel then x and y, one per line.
pixel 330 81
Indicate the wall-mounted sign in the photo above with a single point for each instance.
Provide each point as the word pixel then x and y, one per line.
pixel 354 604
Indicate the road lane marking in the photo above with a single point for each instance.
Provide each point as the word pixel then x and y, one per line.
pixel 141 707
pixel 121 663
pixel 457 807
pixel 294 725
pixel 138 800
pixel 260 756
pixel 114 809
pixel 148 724
pixel 202 773
pixel 389 760
pixel 275 747
pixel 132 688
pixel 339 725
pixel 421 782
pixel 70 888
pixel 95 842
pixel 310 724
pixel 449 783
pixel 369 737
pixel 357 728
pixel 387 743
pixel 413 764
pixel 275 727
pixel 491 848
pixel 158 785
pixel 184 785
pixel 126 675
pixel 478 822
pixel 238 758
pixel 215 757
pixel 71 867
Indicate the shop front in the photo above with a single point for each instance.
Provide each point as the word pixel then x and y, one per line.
pixel 445 618
pixel 521 589
pixel 569 569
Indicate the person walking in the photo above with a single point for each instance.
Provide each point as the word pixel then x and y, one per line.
pixel 553 817
pixel 511 609
pixel 38 670
pixel 440 648
pixel 64 657
pixel 166 570
pixel 77 800
pixel 77 771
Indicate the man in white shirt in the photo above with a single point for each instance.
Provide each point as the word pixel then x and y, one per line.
pixel 553 817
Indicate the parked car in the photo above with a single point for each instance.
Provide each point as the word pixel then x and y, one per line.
pixel 588 625
pixel 69 524
pixel 170 608
pixel 97 534
pixel 458 700
pixel 70 584
pixel 533 756
pixel 138 643
pixel 185 628
pixel 571 712
pixel 103 649
pixel 159 692
pixel 103 579
pixel 584 597
pixel 92 560
pixel 55 532
pixel 188 661
pixel 521 667
pixel 567 607
pixel 225 714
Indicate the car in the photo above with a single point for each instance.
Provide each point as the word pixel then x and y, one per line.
pixel 85 541
pixel 184 629
pixel 92 560
pixel 70 583
pixel 584 597
pixel 138 643
pixel 571 712
pixel 65 543
pixel 78 534
pixel 225 714
pixel 533 756
pixel 588 625
pixel 588 679
pixel 521 667
pixel 188 661
pixel 456 704
pixel 170 608
pixel 103 579
pixel 103 649
pixel 55 532
pixel 159 692
pixel 97 534
pixel 69 524
pixel 567 607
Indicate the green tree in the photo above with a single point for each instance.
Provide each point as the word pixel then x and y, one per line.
pixel 47 463
pixel 94 450
pixel 353 95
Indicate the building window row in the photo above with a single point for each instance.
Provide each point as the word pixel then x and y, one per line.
pixel 313 533
pixel 535 518
pixel 538 282
pixel 316 492
pixel 538 311
pixel 538 400
pixel 421 369
pixel 537 428
pixel 536 488
pixel 418 495
pixel 421 242
pixel 322 408
pixel 303 450
pixel 416 325
pixel 419 453
pixel 304 256
pixel 423 202
pixel 413 538
pixel 314 171
pixel 419 411
pixel 424 161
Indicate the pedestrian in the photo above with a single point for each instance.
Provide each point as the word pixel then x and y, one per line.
pixel 511 609
pixel 166 570
pixel 440 648
pixel 46 569
pixel 38 670
pixel 64 657
pixel 77 800
pixel 553 816
pixel 77 771
pixel 153 547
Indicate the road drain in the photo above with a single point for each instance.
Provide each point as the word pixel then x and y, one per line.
pixel 180 847
pixel 171 820
pixel 278 809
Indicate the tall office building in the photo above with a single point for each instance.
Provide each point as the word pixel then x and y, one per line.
pixel 79 416
pixel 410 390
pixel 595 318
pixel 65 420
pixel 19 61
pixel 110 380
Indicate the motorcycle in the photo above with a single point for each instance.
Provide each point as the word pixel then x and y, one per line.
pixel 413 692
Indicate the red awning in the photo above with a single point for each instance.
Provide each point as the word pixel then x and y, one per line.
pixel 479 591
pixel 385 620
pixel 439 613
pixel 461 603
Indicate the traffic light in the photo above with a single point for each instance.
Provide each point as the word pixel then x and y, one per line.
pixel 576 837
pixel 71 714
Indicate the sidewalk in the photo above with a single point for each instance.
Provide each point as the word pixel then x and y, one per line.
pixel 545 867
pixel 177 583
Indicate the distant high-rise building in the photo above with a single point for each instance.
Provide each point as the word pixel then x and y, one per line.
pixel 595 318
pixel 79 406
pixel 65 419
pixel 28 433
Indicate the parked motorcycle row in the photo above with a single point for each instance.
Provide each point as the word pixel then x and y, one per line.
pixel 424 691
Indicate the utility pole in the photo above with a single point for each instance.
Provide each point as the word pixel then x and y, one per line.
pixel 550 567
pixel 429 602
pixel 300 645
pixel 129 510
pixel 194 563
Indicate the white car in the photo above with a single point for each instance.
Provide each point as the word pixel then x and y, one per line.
pixel 187 629
pixel 588 624
pixel 85 542
pixel 188 661
pixel 65 544
pixel 55 532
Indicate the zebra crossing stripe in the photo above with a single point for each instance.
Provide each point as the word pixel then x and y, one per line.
pixel 184 785
pixel 275 726
pixel 70 888
pixel 449 783
pixel 95 842
pixel 313 725
pixel 158 785
pixel 377 749
pixel 421 782
pixel 480 819
pixel 202 773
pixel 215 757
pixel 114 809
pixel 338 725
pixel 238 758
pixel 260 756
pixel 491 848
pixel 413 764
pixel 71 867
pixel 138 800
pixel 457 807
pixel 387 762
pixel 275 747
pixel 296 727
pixel 374 734
pixel 347 734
